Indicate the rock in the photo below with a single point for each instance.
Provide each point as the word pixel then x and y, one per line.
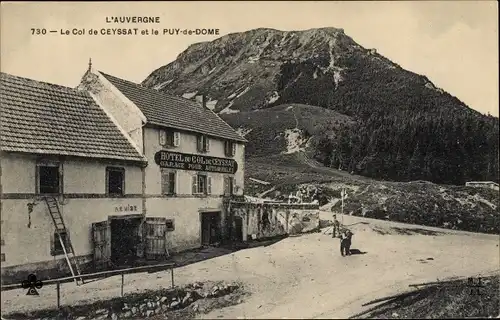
pixel 158 310
pixel 142 307
pixel 127 314
pixel 215 291
pixel 125 307
pixel 174 304
pixel 240 301
pixel 186 298
pixel 394 314
pixel 81 318
pixel 114 316
pixel 101 311
pixel 195 307
pixel 149 313
pixel 134 310
pixel 150 305
pixel 163 299
pixel 164 307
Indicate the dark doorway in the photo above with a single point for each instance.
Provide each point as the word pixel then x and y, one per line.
pixel 210 228
pixel 124 240
pixel 237 229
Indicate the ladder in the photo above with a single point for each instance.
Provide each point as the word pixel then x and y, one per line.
pixel 60 227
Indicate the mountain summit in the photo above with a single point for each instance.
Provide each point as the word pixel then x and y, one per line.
pixel 317 91
pixel 266 67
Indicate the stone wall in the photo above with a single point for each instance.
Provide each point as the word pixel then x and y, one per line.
pixel 267 220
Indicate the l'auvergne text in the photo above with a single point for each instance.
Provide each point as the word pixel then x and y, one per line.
pixel 132 19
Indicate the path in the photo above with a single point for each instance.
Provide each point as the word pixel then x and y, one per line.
pixel 305 277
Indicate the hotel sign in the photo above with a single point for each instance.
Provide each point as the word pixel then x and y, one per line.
pixel 185 161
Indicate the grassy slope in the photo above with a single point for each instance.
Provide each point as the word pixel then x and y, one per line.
pixel 268 125
pixel 445 206
pixel 285 171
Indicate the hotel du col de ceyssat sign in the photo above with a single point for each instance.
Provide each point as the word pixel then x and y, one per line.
pixel 185 161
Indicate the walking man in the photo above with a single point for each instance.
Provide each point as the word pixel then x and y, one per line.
pixel 336 227
pixel 345 243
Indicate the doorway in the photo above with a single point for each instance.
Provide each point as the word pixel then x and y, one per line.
pixel 124 239
pixel 237 229
pixel 210 228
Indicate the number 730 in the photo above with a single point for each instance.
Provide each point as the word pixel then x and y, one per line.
pixel 37 31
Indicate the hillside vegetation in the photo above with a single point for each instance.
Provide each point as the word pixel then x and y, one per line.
pixel 442 147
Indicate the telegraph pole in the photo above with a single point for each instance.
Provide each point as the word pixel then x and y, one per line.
pixel 342 207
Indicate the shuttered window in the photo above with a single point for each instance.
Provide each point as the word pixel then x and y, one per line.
pixel 229 185
pixel 169 138
pixel 168 182
pixel 229 148
pixel 202 184
pixel 203 143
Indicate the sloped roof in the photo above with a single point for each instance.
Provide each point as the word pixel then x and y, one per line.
pixel 174 112
pixel 44 118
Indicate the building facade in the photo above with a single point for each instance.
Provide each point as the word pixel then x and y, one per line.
pixel 57 143
pixel 195 158
pixel 136 174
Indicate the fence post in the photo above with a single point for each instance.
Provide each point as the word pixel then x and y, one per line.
pixel 172 275
pixel 58 294
pixel 123 275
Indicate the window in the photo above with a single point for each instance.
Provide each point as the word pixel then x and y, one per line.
pixel 203 143
pixel 48 178
pixel 170 225
pixel 115 181
pixel 169 138
pixel 229 148
pixel 2 257
pixel 229 185
pixel 168 182
pixel 202 184
pixel 57 248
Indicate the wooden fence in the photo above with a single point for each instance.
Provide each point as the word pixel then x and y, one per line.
pixel 96 275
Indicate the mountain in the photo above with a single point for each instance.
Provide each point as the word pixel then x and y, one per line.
pixel 320 93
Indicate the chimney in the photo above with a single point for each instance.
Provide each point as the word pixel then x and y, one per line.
pixel 201 99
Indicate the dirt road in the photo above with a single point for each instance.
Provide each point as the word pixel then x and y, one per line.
pixel 305 277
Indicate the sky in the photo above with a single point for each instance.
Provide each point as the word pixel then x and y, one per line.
pixel 453 43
